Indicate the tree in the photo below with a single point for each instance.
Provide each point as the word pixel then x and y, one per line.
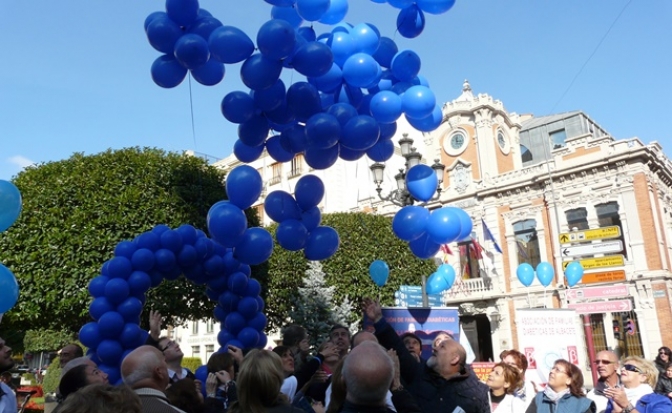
pixel 364 238
pixel 77 210
pixel 315 309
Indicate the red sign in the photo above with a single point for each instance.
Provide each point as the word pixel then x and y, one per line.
pixel 482 369
pixel 599 307
pixel 529 355
pixel 573 355
pixel 609 291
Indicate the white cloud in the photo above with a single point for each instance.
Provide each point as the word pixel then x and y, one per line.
pixel 20 161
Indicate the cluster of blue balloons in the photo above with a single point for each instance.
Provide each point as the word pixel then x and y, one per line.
pixel 426 231
pixel 119 292
pixel 441 280
pixel 411 18
pixel 545 273
pixel 299 220
pixel 379 272
pixel 10 209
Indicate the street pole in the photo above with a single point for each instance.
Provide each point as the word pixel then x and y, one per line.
pixel 588 330
pixel 425 299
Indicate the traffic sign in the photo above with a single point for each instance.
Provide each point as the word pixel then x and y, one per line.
pixel 606 247
pixel 610 291
pixel 600 307
pixel 603 277
pixel 613 231
pixel 598 262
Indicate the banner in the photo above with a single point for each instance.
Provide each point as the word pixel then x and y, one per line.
pixel 482 369
pixel 546 335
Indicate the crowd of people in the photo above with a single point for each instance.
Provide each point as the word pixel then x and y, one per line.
pixel 372 371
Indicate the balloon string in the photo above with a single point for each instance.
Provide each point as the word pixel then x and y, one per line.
pixel 191 108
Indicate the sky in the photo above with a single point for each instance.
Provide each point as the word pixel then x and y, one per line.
pixel 75 74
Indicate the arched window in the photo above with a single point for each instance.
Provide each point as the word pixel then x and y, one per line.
pixel 527 242
pixel 525 154
pixel 577 218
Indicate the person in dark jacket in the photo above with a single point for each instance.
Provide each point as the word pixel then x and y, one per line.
pixel 664 385
pixel 663 358
pixel 563 392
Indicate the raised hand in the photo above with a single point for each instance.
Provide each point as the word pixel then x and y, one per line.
pixel 154 324
pixel 237 354
pixel 372 309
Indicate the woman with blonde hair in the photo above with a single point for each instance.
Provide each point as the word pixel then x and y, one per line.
pixel 503 382
pixel 259 381
pixel 638 377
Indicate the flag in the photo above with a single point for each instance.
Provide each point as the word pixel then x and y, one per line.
pixel 476 250
pixel 487 235
pixel 446 249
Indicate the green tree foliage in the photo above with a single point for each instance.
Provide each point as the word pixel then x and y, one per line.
pixel 77 210
pixel 46 340
pixel 52 377
pixel 364 238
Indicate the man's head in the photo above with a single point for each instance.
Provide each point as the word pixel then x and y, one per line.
pixel 69 352
pixel 368 373
pixel 450 358
pixel 607 364
pixel 6 361
pixel 292 335
pixel 412 343
pixel 362 336
pixel 171 350
pixel 340 335
pixel 145 367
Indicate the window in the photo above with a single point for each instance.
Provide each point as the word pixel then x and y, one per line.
pixel 527 242
pixel 209 349
pixel 277 173
pixel 577 218
pixel 558 138
pixel 296 166
pixel 210 326
pixel 260 212
pixel 607 215
pixel 194 327
pixel 525 154
pixel 196 351
pixel 471 253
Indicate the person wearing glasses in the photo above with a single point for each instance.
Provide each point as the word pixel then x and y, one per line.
pixel 170 349
pixel 606 364
pixel 636 395
pixel 662 359
pixel 563 392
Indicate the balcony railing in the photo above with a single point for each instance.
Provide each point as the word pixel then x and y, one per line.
pixel 294 173
pixel 274 180
pixel 470 288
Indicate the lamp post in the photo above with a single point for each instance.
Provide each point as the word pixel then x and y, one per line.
pixel 400 196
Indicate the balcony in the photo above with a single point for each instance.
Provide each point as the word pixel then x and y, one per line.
pixel 294 173
pixel 275 180
pixel 470 289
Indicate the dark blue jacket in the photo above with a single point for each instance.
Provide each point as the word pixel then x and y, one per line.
pixel 649 403
pixel 436 394
pixel 567 404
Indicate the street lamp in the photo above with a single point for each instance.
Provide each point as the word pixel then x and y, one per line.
pixel 401 196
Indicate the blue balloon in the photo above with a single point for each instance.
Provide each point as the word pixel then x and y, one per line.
pixel 291 234
pixel 149 240
pixel 167 72
pixel 228 44
pixel 125 249
pixel 443 226
pixel 238 107
pixel 243 186
pixel 255 248
pixel 249 337
pixel 428 123
pixel 258 322
pixel 277 151
pixel 182 12
pixel 229 300
pixel 154 15
pixel 410 22
pixel 259 72
pixel 245 153
pixel 448 273
pixel 387 130
pixel 130 308
pixel 210 73
pixel 323 131
pixel 387 49
pixel 348 154
pixel 424 247
pixel 253 288
pixel 366 38
pixel 381 151
pixel 336 12
pixel 191 51
pixel 406 65
pixel 421 182
pixel 311 218
pixel 281 118
pixel 234 322
pixel 436 283
pixel 322 243
pixel 142 259
pixel 116 290
pixel 204 26
pixel 329 81
pixel 131 336
pixel 385 106
pixel 119 267
pixel 97 285
pixel 361 70
pixel 163 33
pixel 166 262
pixel 360 133
pixel 111 324
pixel 307 33
pixel 280 205
pixel 410 222
pixel 312 10
pixel 545 273
pixel 10 204
pixel 418 102
pixel 379 272
pixel 138 283
pixel 89 334
pixel 271 98
pixel 435 6
pixel 574 273
pixel 466 224
pixel 343 112
pixel 253 132
pixel 276 39
pixel 313 59
pixel 342 46
pixel 400 4
pixel 322 158
pixel 248 307
pixel 9 289
pixel 304 100
pixel 525 274
pixel 294 139
pixel 226 223
pixel 309 191
pixel 287 14
pixel 100 306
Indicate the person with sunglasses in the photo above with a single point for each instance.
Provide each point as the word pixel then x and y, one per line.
pixel 662 359
pixel 606 364
pixel 638 377
pixel 563 392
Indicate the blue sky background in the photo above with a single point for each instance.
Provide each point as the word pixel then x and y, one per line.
pixel 74 75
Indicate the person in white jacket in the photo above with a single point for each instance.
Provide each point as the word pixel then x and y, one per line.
pixel 503 382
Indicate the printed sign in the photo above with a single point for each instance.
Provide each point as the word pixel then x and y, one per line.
pixel 482 369
pixel 603 277
pixel 591 234
pixel 599 262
